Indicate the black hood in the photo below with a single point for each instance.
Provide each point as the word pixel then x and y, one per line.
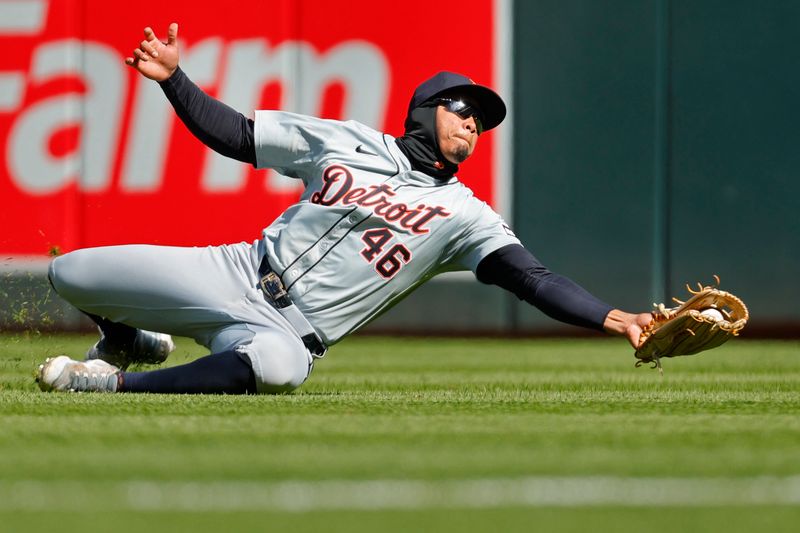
pixel 419 142
pixel 420 146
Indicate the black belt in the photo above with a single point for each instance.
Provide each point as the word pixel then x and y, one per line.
pixel 277 295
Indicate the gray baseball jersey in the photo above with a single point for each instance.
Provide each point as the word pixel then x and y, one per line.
pixel 368 229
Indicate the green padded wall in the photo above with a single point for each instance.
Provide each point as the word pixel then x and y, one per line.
pixel 610 98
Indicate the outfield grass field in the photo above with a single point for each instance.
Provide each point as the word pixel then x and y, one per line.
pixel 407 434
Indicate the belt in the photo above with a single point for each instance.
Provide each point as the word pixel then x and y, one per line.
pixel 277 295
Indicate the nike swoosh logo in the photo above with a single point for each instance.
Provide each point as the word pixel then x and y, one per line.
pixel 362 150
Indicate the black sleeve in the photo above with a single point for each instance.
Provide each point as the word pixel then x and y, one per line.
pixel 515 269
pixel 218 126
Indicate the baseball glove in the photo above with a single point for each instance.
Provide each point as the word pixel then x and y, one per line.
pixel 704 321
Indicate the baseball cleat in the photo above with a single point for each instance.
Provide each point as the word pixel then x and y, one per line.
pixel 148 347
pixel 62 374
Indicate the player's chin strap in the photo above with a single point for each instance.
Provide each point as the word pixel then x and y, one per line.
pixel 275 293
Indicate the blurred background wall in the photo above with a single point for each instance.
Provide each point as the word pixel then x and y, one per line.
pixel 651 143
pixel 656 143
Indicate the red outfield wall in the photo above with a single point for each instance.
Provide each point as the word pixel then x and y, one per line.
pixel 93 155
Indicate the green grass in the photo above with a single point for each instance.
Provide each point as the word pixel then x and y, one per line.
pixel 461 422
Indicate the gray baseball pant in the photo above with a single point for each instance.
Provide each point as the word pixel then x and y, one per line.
pixel 208 294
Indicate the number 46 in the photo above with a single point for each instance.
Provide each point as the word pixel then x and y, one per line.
pixel 390 262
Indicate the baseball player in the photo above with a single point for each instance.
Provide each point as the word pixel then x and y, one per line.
pixel 378 217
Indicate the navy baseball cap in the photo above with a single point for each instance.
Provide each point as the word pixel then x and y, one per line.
pixel 449 83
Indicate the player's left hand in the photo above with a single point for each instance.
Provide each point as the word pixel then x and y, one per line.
pixel 634 330
pixel 629 325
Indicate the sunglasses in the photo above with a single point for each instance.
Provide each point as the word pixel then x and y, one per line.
pixel 463 110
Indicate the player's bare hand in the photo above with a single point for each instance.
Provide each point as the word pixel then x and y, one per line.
pixel 629 325
pixel 156 59
pixel 634 331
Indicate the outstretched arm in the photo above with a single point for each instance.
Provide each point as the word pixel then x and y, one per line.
pixel 515 269
pixel 216 125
